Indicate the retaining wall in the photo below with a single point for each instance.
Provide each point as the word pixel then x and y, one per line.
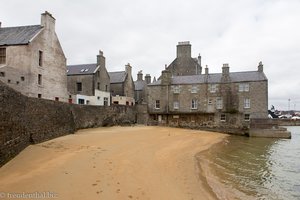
pixel 25 120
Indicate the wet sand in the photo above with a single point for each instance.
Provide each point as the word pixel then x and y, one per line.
pixel 113 163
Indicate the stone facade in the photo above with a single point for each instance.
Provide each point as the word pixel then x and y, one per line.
pixel 89 83
pixel 184 64
pixel 122 86
pixel 34 62
pixel 227 100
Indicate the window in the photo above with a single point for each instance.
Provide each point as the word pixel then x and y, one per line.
pixel 56 99
pixel 87 102
pixel 39 96
pixel 194 89
pixel 105 101
pixel 40 58
pixel 98 86
pixel 213 88
pixel 2 74
pixel 219 103
pixel 22 78
pixel 80 101
pixel 210 101
pixel 247 117
pixel 176 89
pixel 40 79
pixel 223 118
pixel 8 81
pixel 157 104
pixel 79 86
pixel 246 103
pixel 106 88
pixel 244 87
pixel 2 55
pixel 176 105
pixel 194 104
pixel 98 98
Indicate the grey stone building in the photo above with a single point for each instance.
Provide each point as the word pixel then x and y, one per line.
pixel 184 64
pixel 89 83
pixel 219 100
pixel 140 86
pixel 122 86
pixel 32 60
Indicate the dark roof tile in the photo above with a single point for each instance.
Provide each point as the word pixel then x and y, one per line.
pixel 18 35
pixel 216 78
pixel 117 77
pixel 82 69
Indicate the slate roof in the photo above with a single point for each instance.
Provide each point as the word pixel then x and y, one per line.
pixel 18 35
pixel 117 77
pixel 216 78
pixel 139 85
pixel 82 69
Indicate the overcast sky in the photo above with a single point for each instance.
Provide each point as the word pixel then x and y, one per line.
pixel 145 34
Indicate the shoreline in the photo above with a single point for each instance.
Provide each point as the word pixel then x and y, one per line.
pixel 138 162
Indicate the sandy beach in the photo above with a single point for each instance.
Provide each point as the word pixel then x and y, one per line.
pixel 112 163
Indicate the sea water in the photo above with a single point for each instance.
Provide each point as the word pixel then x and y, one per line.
pixel 254 168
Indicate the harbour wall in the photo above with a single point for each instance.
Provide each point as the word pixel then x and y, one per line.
pixel 25 120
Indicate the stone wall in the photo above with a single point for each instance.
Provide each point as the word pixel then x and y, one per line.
pixel 25 120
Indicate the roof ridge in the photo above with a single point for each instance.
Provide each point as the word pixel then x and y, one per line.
pixel 81 64
pixel 21 26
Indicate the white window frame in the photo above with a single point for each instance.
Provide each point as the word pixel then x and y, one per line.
pixel 223 117
pixel 244 87
pixel 176 89
pixel 247 103
pixel 176 105
pixel 194 104
pixel 247 117
pixel 194 89
pixel 157 104
pixel 219 103
pixel 213 88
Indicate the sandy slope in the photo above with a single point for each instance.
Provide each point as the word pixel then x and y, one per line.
pixel 113 163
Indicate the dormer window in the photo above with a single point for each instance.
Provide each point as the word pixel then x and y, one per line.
pixel 2 55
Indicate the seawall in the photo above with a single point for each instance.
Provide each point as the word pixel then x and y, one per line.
pixel 25 120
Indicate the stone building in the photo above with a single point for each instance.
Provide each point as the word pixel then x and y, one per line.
pixel 218 100
pixel 140 86
pixel 122 86
pixel 32 60
pixel 184 64
pixel 89 83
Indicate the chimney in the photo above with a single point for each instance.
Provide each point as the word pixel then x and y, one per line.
pixel 199 59
pixel 128 69
pixel 184 50
pixel 140 76
pixel 260 67
pixel 48 21
pixel 206 70
pixel 148 78
pixel 101 59
pixel 166 77
pixel 225 69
